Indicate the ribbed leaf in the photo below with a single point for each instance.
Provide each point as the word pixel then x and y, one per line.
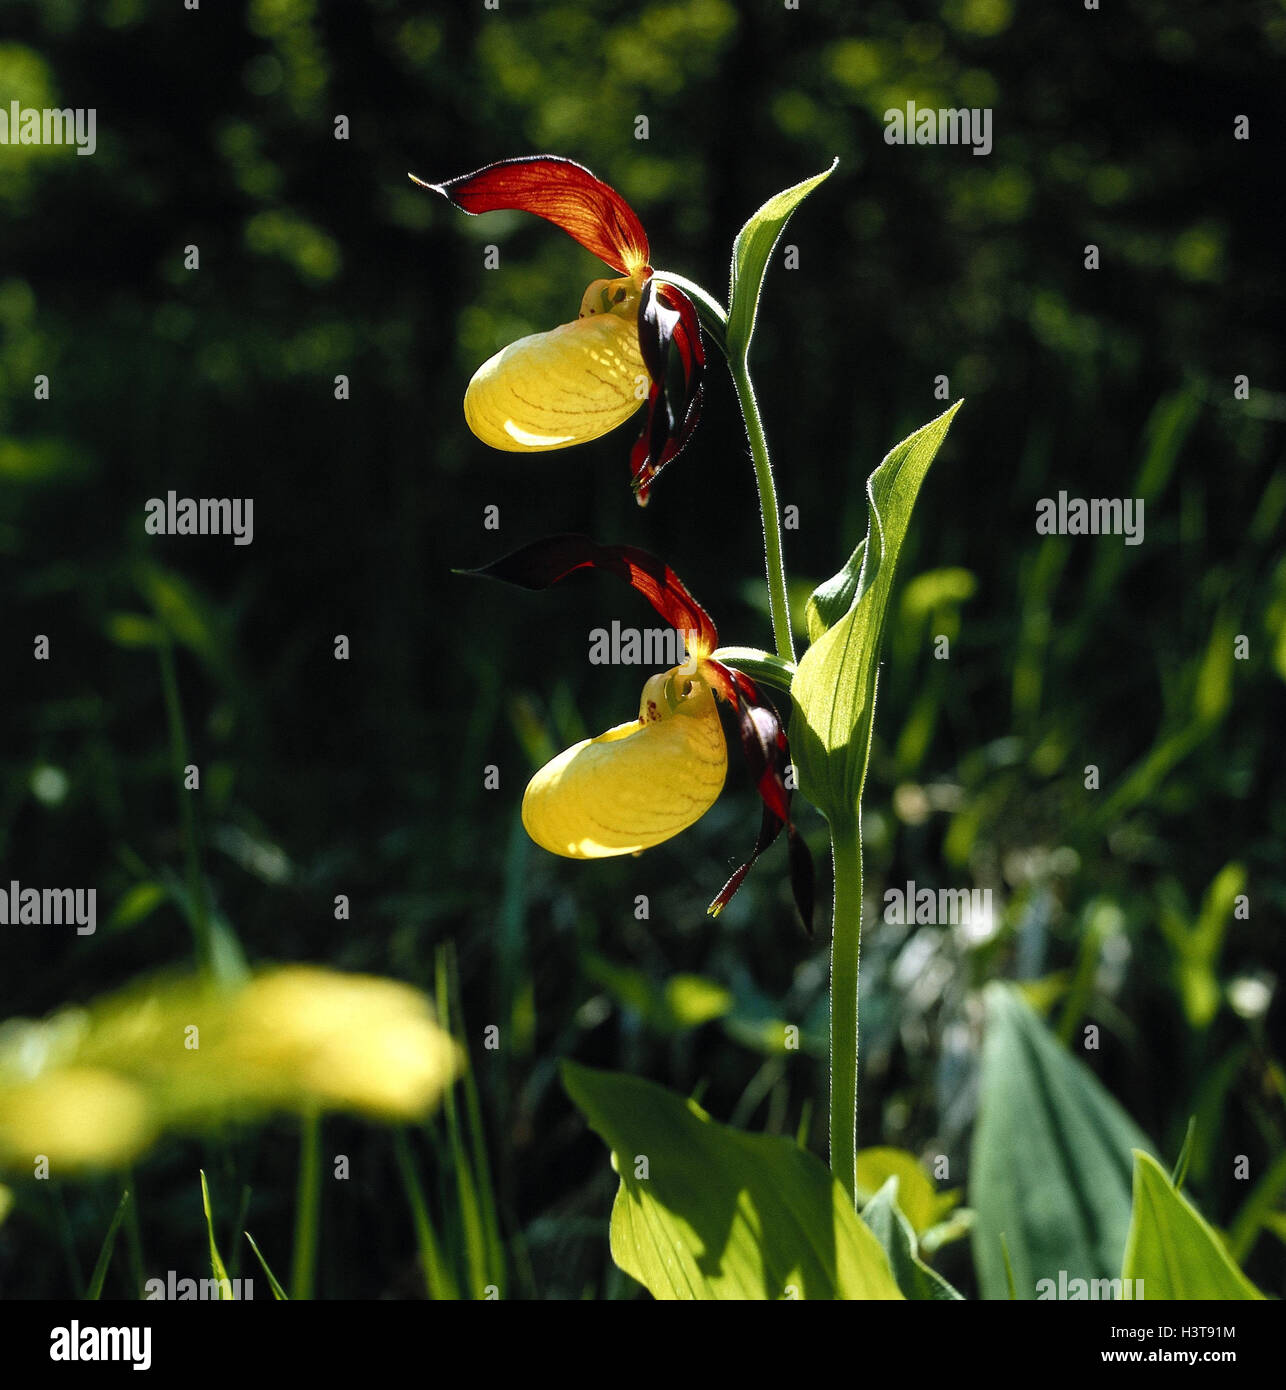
pixel 705 1211
pixel 834 688
pixel 1051 1163
pixel 894 1232
pixel 750 253
pixel 1172 1248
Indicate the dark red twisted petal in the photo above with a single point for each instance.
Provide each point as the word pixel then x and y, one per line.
pixel 562 192
pixel 674 354
pixel 545 562
pixel 767 754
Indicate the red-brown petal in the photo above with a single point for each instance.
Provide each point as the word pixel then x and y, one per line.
pixel 767 754
pixel 545 562
pixel 562 192
pixel 674 354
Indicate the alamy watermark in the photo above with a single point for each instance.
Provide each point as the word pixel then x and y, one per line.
pixel 656 647
pixel 912 906
pixel 1112 1290
pixel 49 907
pixel 1091 516
pixel 172 515
pixel 74 1342
pixel 956 125
pixel 49 125
pixel 183 1290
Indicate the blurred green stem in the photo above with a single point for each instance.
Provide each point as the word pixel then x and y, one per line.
pixel 134 1235
pixel 307 1209
pixel 197 914
pixel 846 941
pixel 778 605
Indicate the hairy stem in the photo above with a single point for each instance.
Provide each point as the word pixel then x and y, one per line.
pixel 777 601
pixel 846 941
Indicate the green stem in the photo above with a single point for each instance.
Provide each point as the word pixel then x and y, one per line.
pixel 307 1209
pixel 778 605
pixel 846 942
pixel 134 1235
pixel 197 914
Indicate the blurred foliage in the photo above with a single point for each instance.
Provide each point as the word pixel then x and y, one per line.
pixel 318 258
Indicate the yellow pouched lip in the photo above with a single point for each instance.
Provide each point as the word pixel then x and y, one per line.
pixel 564 387
pixel 636 785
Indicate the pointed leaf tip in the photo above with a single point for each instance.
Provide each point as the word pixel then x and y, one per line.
pixel 751 251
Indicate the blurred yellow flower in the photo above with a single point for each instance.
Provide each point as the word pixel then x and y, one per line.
pixel 76 1117
pixel 306 1036
pixel 94 1087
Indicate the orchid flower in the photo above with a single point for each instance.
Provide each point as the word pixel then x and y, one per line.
pixel 646 780
pixel 635 339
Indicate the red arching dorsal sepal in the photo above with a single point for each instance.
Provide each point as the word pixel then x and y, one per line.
pixel 545 562
pixel 562 192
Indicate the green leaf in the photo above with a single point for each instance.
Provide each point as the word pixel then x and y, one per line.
pixel 721 1214
pixel 217 1267
pixel 833 598
pixel 1197 947
pixel 134 630
pixel 1256 1211
pixel 750 253
pixel 137 902
pixel 955 1227
pixel 278 1292
pixel 1185 1154
pixel 99 1276
pixel 1010 1286
pixel 1172 1248
pixel 834 688
pixel 894 1232
pixel 181 612
pixel 683 1002
pixel 439 1281
pixel 920 1201
pixel 934 589
pixel 1051 1161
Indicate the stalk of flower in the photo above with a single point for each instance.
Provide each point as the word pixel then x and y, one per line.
pixel 635 339
pixel 644 781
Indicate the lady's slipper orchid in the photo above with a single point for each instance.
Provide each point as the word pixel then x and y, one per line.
pixel 635 339
pixel 644 781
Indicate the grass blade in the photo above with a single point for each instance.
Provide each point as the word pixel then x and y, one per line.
pixel 277 1291
pixel 217 1267
pixel 438 1280
pixel 99 1276
pixel 303 1269
pixel 471 1218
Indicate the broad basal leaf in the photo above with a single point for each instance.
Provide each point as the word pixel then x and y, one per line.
pixel 1171 1248
pixel 1051 1161
pixel 834 688
pixel 894 1232
pixel 750 253
pixel 705 1211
